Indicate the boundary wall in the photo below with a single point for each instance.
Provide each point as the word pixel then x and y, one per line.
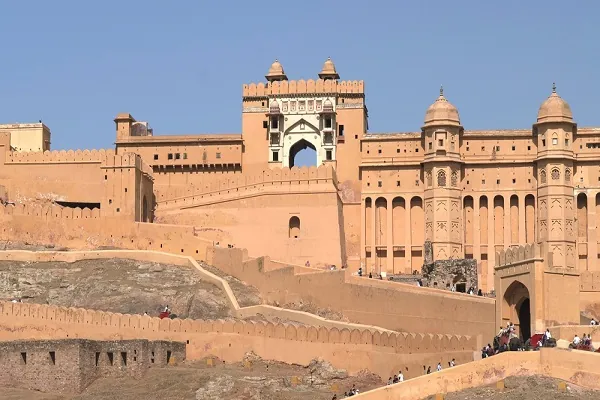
pixel 355 350
pixel 578 367
pixel 304 179
pixel 392 305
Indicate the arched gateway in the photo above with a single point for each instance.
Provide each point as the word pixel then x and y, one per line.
pixel 532 293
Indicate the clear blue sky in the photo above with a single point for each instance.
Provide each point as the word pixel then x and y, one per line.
pixel 181 64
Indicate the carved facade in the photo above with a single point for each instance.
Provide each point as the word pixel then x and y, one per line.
pixel 471 193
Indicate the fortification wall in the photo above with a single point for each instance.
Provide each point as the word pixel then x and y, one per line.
pixel 229 340
pixel 319 86
pixel 304 179
pixel 392 305
pixel 578 367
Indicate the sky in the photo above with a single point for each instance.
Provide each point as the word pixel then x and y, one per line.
pixel 181 65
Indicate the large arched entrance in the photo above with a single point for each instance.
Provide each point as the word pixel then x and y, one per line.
pixel 303 154
pixel 517 309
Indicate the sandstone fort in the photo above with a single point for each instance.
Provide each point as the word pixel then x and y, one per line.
pixel 512 214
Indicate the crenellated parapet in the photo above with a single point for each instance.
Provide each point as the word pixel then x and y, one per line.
pixel 518 254
pixel 310 86
pixel 145 325
pixel 298 178
pixel 59 156
pixel 49 211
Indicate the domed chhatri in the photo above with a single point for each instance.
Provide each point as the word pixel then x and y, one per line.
pixel 555 109
pixel 276 72
pixel 327 106
pixel 328 71
pixel 274 107
pixel 442 112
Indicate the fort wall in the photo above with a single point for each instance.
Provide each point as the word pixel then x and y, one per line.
pixel 578 367
pixel 229 340
pixel 400 307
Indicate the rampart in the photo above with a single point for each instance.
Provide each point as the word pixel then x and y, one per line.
pixel 290 180
pixel 318 86
pixel 578 367
pixel 400 307
pixel 518 254
pixel 229 340
pixel 59 156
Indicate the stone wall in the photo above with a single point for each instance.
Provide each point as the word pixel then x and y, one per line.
pixel 444 274
pixel 70 365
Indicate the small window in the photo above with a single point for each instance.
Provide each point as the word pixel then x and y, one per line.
pixel 497 148
pixel 327 122
pixel 124 358
pixel 355 136
pixel 416 150
pixel 265 124
pixel 110 358
pixel 528 148
pixel 483 181
pixel 430 145
pixel 482 148
pixel 441 142
pixel 105 177
pixel 528 180
pixel 125 190
pixel 218 155
pixel 168 356
pixel 274 123
pixel 52 357
pixel 23 358
pixel 275 156
pixel 328 155
pixel 177 156
pixel 514 180
pixel 467 182
pixel 566 142
pixel 156 157
pixel 368 184
pixel 367 151
pixel 170 156
pixel 97 359
pixel 185 156
pixel 397 150
pixel 513 148
pixel 554 141
pixel 497 181
pixel 417 182
pixel 398 183
pixel 341 130
pixel 379 184
pixel 543 142
pixel 118 209
pixel 467 148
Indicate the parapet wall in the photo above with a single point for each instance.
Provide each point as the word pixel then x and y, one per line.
pixel 319 86
pixel 518 254
pixel 578 367
pixel 294 178
pixel 59 156
pixel 49 211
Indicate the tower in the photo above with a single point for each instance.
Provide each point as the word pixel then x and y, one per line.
pixel 441 135
pixel 554 132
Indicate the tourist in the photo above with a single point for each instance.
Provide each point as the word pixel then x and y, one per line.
pixel 334 397
pixel 400 376
pixel 166 309
pixel 439 366
pixel 360 271
pixel 370 275
pixel 479 292
pixel 395 380
pixel 390 381
pixel 453 362
pixel 471 290
pixel 576 340
pixel 145 313
pixel 428 370
pixel 547 335
pixel 593 322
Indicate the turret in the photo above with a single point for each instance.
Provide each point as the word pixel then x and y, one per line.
pixel 276 72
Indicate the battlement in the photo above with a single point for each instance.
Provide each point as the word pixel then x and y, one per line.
pixel 49 211
pixel 59 156
pixel 518 254
pixel 301 86
pixel 295 177
pixel 160 328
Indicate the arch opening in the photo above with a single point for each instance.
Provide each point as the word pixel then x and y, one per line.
pixel 294 227
pixel 145 217
pixel 303 154
pixel 517 309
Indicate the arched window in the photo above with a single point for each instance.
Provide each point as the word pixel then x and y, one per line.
pixel 567 175
pixel 294 227
pixel 555 174
pixel 543 176
pixel 441 178
pixel 454 179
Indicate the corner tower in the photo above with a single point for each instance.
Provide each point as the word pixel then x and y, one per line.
pixel 554 132
pixel 441 135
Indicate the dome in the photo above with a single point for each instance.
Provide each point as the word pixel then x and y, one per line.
pixel 328 71
pixel 276 72
pixel 555 109
pixel 442 112
pixel 274 107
